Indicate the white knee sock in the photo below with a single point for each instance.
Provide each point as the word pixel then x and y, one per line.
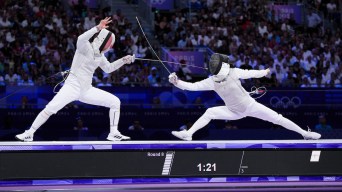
pixel 200 123
pixel 290 125
pixel 114 116
pixel 42 117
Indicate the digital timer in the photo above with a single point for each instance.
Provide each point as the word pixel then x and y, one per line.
pixel 206 167
pixel 213 162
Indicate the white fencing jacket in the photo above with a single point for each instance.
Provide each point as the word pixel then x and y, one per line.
pixel 85 62
pixel 235 97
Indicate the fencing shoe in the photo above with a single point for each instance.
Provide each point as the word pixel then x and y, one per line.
pixel 184 135
pixel 117 136
pixel 26 136
pixel 311 135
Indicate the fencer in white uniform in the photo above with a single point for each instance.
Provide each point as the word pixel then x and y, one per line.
pixel 88 57
pixel 238 102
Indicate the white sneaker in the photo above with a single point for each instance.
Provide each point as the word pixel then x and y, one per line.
pixel 184 135
pixel 26 136
pixel 311 135
pixel 117 136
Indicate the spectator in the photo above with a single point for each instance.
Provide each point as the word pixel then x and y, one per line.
pixel 229 126
pixel 319 81
pixel 274 81
pixel 184 72
pixel 240 61
pixel 232 27
pixel 156 103
pixel 254 30
pixel 79 125
pixel 322 124
pixel 279 74
pixel 289 80
pixel 136 126
pixel 152 78
pixel 182 42
pixel 24 104
pixel 50 47
pixel 308 64
pixel 2 81
pixel 286 26
pixel 142 49
pixel 105 82
pixel 125 80
pixel 136 131
pixel 198 104
pixel 313 21
pixel 89 21
pixel 186 125
pixel 331 8
pixel 158 82
pixel 25 81
pixel 41 47
pixel 118 15
pixel 4 22
pixel 11 78
pixel 334 81
pixel 312 78
pixel 305 83
pixel 262 29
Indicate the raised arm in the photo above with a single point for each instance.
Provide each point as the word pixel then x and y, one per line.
pixel 88 34
pixel 203 85
pixel 246 74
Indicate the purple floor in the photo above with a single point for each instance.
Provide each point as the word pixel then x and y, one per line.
pixel 247 183
pixel 249 186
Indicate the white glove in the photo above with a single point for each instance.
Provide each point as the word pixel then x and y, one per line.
pixel 128 59
pixel 173 78
pixel 268 71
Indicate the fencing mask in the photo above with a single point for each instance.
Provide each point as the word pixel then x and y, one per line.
pixel 103 41
pixel 219 66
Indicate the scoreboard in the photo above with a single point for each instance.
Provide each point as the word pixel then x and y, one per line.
pixel 141 163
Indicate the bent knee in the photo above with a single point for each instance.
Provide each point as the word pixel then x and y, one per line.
pixel 277 120
pixel 115 103
pixel 209 113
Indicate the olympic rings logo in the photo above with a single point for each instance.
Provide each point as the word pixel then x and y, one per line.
pixel 285 102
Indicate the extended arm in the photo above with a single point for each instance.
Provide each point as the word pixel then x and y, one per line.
pixel 108 67
pixel 203 85
pixel 246 74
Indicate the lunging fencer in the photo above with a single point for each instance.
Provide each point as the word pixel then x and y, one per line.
pixel 91 46
pixel 238 103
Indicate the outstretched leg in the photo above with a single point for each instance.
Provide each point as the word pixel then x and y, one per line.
pixel 221 112
pixel 99 97
pixel 67 94
pixel 262 112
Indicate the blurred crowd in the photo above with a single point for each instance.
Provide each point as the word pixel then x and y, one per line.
pixel 38 40
pixel 330 9
pixel 256 37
